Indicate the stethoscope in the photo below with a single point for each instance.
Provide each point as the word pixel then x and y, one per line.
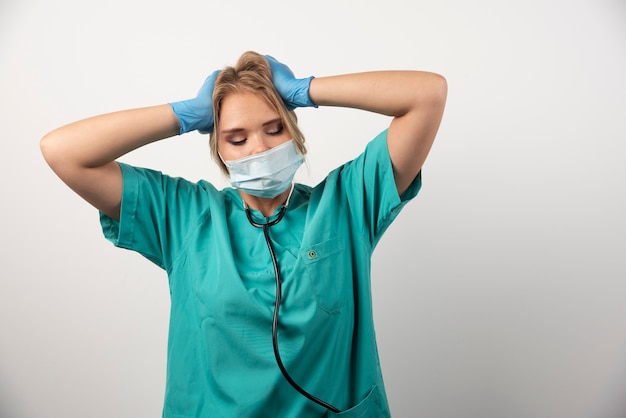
pixel 266 232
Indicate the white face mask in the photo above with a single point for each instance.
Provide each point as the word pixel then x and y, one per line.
pixel 267 174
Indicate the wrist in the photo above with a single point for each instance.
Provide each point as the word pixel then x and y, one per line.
pixel 190 117
pixel 302 96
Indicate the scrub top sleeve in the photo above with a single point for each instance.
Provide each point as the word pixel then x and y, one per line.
pixel 371 187
pixel 155 214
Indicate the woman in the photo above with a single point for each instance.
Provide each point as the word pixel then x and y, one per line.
pixel 271 312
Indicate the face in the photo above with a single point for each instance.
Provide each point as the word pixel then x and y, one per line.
pixel 248 125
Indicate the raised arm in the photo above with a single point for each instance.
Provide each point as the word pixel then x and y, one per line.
pixel 414 99
pixel 82 153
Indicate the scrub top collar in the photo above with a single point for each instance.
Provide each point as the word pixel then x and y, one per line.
pixel 258 216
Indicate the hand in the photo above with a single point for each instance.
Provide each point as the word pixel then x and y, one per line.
pixel 197 113
pixel 294 91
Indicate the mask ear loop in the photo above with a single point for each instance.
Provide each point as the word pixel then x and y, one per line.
pixel 289 195
pixel 219 154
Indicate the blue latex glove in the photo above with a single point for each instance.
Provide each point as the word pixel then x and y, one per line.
pixel 197 113
pixel 294 91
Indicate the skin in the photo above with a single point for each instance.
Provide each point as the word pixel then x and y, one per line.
pixel 248 126
pixel 414 99
pixel 82 153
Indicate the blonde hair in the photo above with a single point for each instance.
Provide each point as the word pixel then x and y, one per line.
pixel 252 74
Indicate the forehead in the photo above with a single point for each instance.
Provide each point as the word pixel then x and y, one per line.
pixel 245 110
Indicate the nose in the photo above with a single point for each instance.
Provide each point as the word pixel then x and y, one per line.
pixel 259 144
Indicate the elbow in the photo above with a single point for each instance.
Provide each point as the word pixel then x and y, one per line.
pixel 49 148
pixel 439 90
pixel 45 146
pixel 55 152
pixel 437 96
pixel 429 91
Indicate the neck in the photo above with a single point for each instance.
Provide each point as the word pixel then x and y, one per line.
pixel 266 205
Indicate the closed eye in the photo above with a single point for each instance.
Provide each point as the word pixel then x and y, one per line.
pixel 276 130
pixel 237 142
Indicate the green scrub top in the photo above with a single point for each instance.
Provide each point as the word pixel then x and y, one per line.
pixel 220 360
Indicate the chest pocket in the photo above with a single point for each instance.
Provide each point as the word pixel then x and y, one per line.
pixel 326 269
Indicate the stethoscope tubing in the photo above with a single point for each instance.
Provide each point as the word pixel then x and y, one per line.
pixel 266 232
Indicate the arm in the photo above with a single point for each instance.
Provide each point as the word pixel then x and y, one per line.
pixel 82 153
pixel 416 101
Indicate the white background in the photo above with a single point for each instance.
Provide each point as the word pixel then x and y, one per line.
pixel 499 292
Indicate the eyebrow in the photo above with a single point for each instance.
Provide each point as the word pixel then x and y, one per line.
pixel 235 130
